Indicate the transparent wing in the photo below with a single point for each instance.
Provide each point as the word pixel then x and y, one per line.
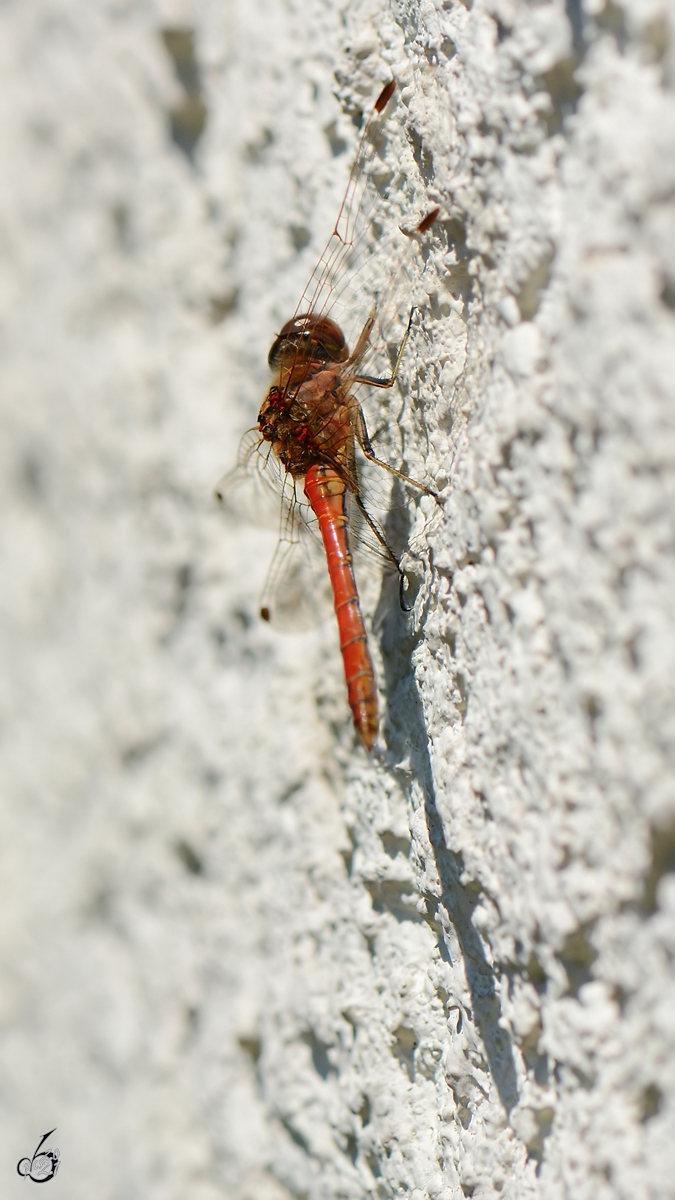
pixel 297 592
pixel 258 491
pixel 364 271
pixel 251 491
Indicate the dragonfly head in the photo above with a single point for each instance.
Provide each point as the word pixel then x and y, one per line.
pixel 308 338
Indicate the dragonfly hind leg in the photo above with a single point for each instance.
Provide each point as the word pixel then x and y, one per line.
pixel 402 577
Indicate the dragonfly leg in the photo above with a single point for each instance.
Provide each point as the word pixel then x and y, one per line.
pixel 363 339
pixel 402 577
pixel 378 532
pixel 372 380
pixel 366 445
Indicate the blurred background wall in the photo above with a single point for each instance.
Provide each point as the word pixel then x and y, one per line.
pixel 237 958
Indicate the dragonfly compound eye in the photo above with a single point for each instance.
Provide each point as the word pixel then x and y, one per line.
pixel 309 337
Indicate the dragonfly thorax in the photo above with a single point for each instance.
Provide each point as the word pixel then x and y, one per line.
pixel 309 423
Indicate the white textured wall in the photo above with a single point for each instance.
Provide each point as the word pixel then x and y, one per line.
pixel 238 959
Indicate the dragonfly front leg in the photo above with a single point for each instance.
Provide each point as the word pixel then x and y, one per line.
pixel 372 380
pixel 362 343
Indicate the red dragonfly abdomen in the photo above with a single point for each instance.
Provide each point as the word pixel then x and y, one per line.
pixel 327 494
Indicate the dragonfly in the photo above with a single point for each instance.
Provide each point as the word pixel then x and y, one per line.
pixel 310 424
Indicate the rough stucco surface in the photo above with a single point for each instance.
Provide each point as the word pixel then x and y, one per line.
pixel 238 958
